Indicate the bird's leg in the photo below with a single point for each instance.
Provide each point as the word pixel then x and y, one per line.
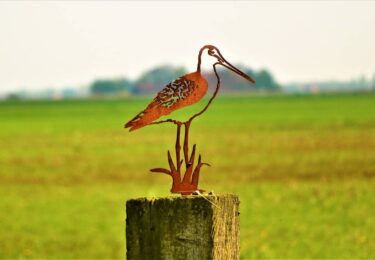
pixel 189 161
pixel 186 143
pixel 189 167
pixel 178 148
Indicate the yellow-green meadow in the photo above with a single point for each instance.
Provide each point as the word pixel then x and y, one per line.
pixel 303 166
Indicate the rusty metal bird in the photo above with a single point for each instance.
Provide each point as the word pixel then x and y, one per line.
pixel 182 92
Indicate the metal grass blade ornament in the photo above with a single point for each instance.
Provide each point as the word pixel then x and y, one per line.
pixel 182 92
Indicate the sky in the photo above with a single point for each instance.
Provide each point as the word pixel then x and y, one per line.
pixel 58 44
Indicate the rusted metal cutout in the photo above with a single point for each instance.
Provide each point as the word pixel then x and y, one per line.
pixel 182 92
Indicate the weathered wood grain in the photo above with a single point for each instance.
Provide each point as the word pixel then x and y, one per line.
pixel 185 227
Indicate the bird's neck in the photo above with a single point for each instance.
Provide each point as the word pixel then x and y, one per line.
pixel 200 59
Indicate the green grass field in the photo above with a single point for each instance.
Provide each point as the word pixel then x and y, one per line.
pixel 303 166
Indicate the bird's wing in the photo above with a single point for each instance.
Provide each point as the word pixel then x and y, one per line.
pixel 173 96
pixel 175 92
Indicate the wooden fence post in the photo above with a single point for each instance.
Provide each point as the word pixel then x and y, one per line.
pixel 185 227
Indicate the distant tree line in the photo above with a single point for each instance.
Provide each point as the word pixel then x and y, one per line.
pixel 155 79
pixel 112 86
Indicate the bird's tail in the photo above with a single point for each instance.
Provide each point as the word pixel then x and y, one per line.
pixel 135 123
pixel 144 118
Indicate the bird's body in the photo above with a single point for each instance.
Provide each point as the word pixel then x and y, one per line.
pixel 184 91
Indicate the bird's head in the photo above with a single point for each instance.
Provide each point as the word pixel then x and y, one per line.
pixel 214 52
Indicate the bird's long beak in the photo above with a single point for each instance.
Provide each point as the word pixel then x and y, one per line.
pixel 226 64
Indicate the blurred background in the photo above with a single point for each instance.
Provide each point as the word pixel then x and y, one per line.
pixel 298 147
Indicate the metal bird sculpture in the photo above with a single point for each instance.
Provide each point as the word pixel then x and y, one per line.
pixel 182 92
